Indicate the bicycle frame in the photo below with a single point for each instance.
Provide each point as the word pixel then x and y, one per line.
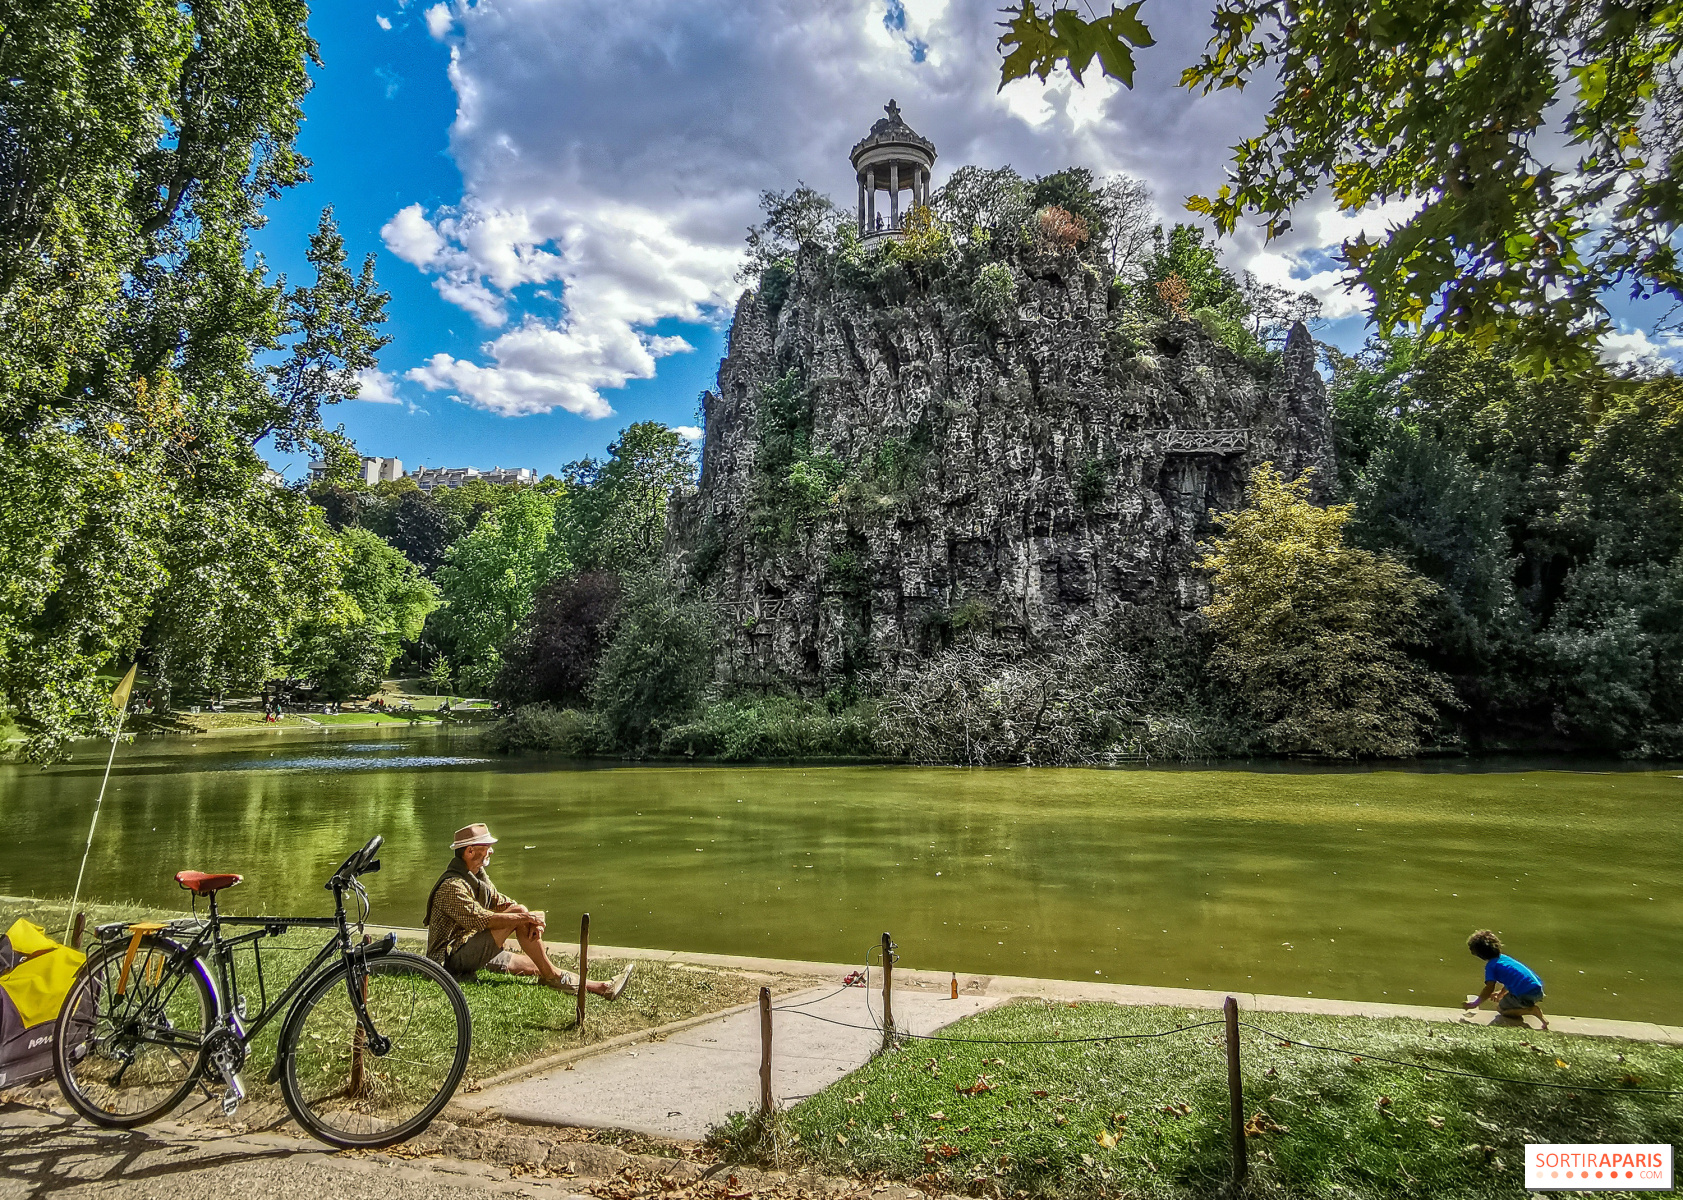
pixel 224 985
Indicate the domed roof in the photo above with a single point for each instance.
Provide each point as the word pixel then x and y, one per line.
pixel 891 130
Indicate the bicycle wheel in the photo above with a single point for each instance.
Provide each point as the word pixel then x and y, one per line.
pixel 131 1032
pixel 340 1090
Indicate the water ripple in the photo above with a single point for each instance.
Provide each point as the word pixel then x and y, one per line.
pixel 399 762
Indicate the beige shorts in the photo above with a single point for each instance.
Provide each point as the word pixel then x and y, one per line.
pixel 481 952
pixel 484 952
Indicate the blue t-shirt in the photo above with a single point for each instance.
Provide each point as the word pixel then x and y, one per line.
pixel 1514 975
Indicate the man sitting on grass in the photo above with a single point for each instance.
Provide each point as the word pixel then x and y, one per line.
pixel 1521 988
pixel 468 920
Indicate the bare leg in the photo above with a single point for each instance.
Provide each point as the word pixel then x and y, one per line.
pixel 533 961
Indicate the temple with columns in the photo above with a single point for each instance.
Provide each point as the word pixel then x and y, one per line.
pixel 891 158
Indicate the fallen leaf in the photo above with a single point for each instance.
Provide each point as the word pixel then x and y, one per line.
pixel 858 1099
pixel 1039 1092
pixel 1107 1139
pixel 842 1138
pixel 937 1116
pixel 1559 1063
pixel 946 1151
pixel 1060 1121
pixel 1261 1123
pixel 1435 1122
pixel 1119 1119
pixel 982 1084
pixel 1383 1102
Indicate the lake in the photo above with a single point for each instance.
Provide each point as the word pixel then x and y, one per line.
pixel 1359 884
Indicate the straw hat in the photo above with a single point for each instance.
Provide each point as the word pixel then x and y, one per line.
pixel 472 835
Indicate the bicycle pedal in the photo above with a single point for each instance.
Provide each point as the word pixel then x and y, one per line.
pixel 230 1104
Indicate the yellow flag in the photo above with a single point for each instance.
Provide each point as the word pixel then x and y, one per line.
pixel 120 697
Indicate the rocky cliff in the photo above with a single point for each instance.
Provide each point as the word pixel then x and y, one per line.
pixel 885 470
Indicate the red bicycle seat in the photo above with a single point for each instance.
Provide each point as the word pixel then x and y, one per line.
pixel 202 884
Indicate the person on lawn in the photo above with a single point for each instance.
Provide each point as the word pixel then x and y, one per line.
pixel 1521 988
pixel 468 921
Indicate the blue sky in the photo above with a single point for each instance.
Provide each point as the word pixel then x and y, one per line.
pixel 557 190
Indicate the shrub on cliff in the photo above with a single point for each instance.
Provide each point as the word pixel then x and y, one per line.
pixel 1311 632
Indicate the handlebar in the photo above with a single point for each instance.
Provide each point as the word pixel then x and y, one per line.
pixel 362 862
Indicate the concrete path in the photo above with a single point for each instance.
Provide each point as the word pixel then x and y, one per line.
pixel 681 1086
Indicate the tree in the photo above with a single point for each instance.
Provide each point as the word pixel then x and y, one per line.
pixel 347 643
pixel 793 219
pixel 144 353
pixel 489 578
pixel 1310 631
pixel 617 512
pixel 974 199
pixel 553 659
pixel 658 664
pixel 1538 145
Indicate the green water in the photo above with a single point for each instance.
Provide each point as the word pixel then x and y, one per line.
pixel 1359 885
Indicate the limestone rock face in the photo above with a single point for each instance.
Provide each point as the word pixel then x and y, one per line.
pixel 1022 473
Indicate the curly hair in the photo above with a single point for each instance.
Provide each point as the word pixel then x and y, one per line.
pixel 1485 944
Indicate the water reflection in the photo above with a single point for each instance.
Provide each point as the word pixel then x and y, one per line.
pixel 1360 885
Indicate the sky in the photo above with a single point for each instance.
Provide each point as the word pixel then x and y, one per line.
pixel 556 192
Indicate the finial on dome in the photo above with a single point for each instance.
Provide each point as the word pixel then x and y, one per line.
pixel 893 111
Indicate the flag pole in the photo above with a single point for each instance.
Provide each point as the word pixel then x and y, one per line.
pixel 120 698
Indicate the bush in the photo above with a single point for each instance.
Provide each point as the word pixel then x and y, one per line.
pixel 775 727
pixel 990 703
pixel 553 658
pixel 1311 632
pixel 541 727
pixel 994 293
pixel 658 664
pixel 1061 229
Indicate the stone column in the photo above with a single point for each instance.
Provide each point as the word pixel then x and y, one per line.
pixel 924 175
pixel 861 206
pixel 870 198
pixel 894 195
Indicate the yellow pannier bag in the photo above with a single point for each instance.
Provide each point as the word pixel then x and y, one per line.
pixel 35 974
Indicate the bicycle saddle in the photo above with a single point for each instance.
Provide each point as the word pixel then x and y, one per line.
pixel 202 884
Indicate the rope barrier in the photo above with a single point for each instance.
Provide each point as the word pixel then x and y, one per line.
pixel 1366 1057
pixel 934 1037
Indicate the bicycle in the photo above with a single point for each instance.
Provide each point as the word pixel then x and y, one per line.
pixel 371 1048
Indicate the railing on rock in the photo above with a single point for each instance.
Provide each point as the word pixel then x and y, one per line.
pixel 1201 441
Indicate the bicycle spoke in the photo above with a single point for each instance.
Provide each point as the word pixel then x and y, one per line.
pixel 352 1096
pixel 125 1058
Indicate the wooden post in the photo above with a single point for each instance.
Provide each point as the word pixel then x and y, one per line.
pixel 765 1051
pixel 584 966
pixel 76 930
pixel 887 984
pixel 1235 1091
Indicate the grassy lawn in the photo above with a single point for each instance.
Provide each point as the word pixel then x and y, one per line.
pixel 514 1020
pixel 1149 1118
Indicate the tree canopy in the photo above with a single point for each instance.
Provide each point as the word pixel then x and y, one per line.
pixel 145 351
pixel 1532 151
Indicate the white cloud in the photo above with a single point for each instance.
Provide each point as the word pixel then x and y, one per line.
pixel 1633 351
pixel 690 433
pixel 615 168
pixel 411 237
pixel 382 22
pixel 377 387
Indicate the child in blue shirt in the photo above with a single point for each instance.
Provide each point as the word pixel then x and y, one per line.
pixel 1521 987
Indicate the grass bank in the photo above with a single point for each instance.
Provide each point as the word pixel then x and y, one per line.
pixel 514 1020
pixel 1149 1117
